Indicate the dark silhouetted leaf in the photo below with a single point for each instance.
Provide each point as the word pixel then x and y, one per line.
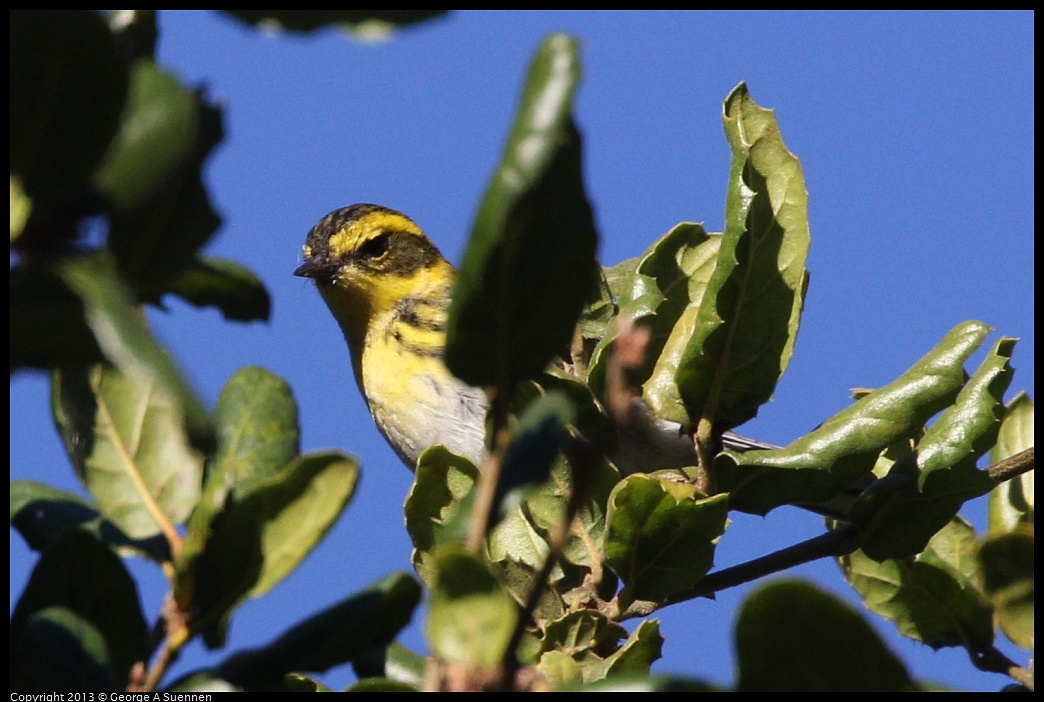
pixel 530 264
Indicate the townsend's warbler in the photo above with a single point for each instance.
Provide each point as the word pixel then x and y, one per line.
pixel 389 289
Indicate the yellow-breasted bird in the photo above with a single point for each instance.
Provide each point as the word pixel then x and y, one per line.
pixel 389 289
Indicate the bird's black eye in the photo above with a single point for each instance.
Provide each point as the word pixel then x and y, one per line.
pixel 376 247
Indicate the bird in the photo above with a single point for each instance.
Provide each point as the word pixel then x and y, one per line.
pixel 389 289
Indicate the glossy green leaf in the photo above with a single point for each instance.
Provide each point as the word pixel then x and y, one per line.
pixel 1011 503
pixel 1008 579
pixel 60 650
pixel 257 429
pixel 835 455
pixel 434 510
pixel 160 211
pixel 68 85
pixel 634 657
pixel 226 285
pixel 126 439
pixel 354 20
pixel 42 514
pixel 933 597
pixel 471 616
pixel 662 291
pixel 47 322
pixel 125 339
pixel 82 575
pixel 256 539
pixel 530 264
pixel 744 331
pixel 661 536
pixel 791 637
pixel 368 619
pixel 931 484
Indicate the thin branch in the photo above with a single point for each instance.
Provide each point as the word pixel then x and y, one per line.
pixel 993 661
pixel 1012 466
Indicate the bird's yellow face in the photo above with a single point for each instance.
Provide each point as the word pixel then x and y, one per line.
pixel 372 265
pixel 389 289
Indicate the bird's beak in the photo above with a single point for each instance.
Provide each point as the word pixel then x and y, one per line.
pixel 317 269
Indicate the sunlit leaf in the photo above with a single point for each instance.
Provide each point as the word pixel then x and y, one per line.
pixel 128 444
pixel 845 447
pixel 1011 503
pixel 661 536
pixel 744 331
pixel 471 616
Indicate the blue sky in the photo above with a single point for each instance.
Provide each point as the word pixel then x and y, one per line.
pixel 915 131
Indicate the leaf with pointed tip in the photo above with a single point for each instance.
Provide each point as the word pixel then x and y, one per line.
pixel 125 339
pixel 661 536
pixel 940 475
pixel 845 447
pixel 369 618
pixel 471 616
pixel 931 597
pixel 82 575
pixel 530 264
pixel 791 636
pixel 744 332
pixel 127 442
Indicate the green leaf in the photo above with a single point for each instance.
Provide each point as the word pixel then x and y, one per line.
pixel 311 20
pixel 635 657
pixel 535 444
pixel 661 536
pixel 932 597
pixel 790 637
pixel 48 328
pixel 392 662
pixel 82 575
pixel 160 211
pixel 471 616
pixel 42 514
pixel 224 284
pixel 246 544
pixel 60 650
pixel 126 439
pixel 21 207
pixel 575 647
pixel 647 683
pixel 530 264
pixel 1007 566
pixel 931 484
pixel 661 290
pixel 125 339
pixel 845 447
pixel 381 685
pixel 68 86
pixel 1011 503
pixel 744 332
pixel 338 634
pixel 435 513
pixel 257 429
